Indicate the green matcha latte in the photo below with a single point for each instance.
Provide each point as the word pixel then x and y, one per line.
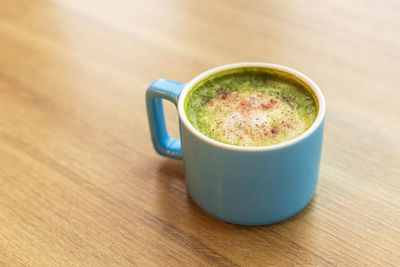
pixel 251 107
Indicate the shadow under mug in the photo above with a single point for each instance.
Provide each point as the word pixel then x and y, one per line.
pixel 241 185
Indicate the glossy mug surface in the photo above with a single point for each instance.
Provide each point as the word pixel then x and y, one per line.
pixel 241 185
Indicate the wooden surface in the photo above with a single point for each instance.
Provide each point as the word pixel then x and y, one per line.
pixel 80 183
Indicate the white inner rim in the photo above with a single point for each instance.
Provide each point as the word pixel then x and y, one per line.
pixel 308 81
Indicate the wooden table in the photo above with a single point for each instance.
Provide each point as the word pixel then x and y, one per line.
pixel 80 183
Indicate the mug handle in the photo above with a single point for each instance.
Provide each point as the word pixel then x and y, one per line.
pixel 163 143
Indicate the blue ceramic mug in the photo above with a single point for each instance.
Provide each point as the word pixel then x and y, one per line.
pixel 241 185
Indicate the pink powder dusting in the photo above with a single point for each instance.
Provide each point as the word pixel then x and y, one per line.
pixel 247 118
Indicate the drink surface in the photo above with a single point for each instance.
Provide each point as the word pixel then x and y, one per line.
pixel 251 107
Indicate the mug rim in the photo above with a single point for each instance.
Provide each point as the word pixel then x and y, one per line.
pixel 313 86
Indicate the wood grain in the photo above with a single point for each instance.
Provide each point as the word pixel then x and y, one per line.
pixel 81 183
